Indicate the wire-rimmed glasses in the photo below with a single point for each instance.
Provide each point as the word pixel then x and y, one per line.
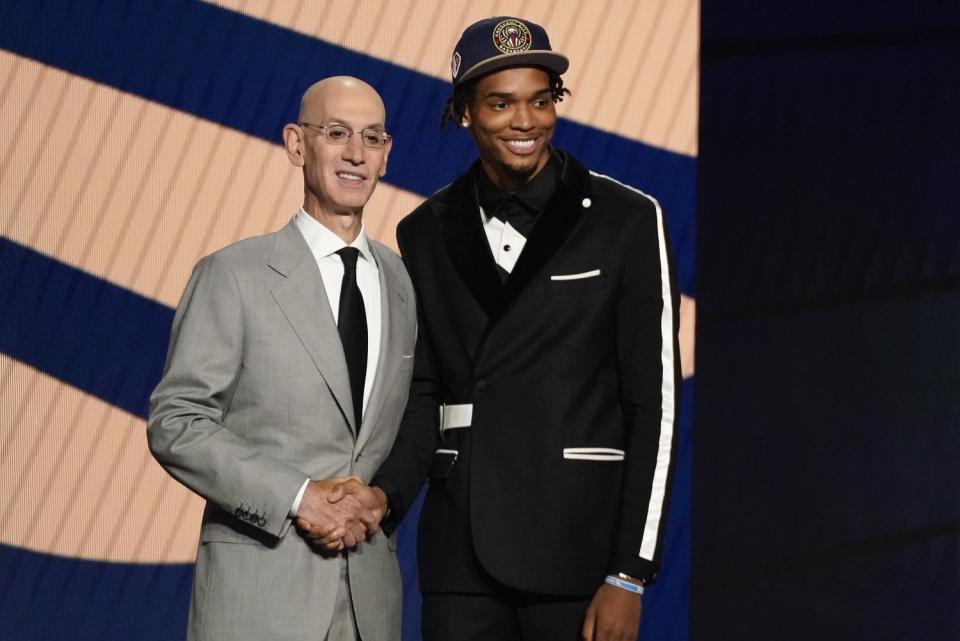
pixel 340 134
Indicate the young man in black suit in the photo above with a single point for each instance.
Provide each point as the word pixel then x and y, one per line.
pixel 544 395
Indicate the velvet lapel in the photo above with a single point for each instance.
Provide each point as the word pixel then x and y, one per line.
pixel 303 301
pixel 559 217
pixel 458 216
pixel 391 316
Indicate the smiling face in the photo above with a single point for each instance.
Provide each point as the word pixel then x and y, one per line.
pixel 338 179
pixel 512 118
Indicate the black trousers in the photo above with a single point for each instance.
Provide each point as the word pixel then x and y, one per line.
pixel 505 616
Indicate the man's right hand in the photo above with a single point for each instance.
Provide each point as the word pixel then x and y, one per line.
pixel 372 498
pixel 330 517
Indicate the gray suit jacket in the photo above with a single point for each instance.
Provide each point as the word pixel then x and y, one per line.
pixel 254 399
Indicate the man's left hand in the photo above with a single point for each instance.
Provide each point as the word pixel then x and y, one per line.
pixel 613 615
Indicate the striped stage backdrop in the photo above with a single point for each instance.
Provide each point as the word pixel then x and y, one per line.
pixel 137 137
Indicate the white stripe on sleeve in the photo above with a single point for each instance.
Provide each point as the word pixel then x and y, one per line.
pixel 668 409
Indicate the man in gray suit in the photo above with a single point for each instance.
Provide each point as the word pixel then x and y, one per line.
pixel 289 364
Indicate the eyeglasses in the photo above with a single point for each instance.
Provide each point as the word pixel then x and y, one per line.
pixel 340 134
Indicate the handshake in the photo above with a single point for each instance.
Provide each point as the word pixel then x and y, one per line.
pixel 339 513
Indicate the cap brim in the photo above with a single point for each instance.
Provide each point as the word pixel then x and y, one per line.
pixel 556 62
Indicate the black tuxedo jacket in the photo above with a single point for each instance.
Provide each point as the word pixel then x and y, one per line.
pixel 571 371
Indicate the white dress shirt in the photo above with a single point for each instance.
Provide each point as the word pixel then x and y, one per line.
pixel 506 243
pixel 324 245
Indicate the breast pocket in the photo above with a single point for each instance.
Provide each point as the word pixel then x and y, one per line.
pixel 405 371
pixel 577 282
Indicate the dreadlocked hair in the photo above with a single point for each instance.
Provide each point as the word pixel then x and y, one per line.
pixel 464 93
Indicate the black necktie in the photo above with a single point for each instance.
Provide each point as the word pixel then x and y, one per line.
pixel 352 325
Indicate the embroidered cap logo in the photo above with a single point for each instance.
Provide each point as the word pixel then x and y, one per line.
pixel 512 36
pixel 455 63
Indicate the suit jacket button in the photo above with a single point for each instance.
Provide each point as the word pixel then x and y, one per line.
pixel 261 521
pixel 238 513
pixel 481 385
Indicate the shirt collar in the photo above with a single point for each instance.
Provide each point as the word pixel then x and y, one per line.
pixel 323 242
pixel 534 195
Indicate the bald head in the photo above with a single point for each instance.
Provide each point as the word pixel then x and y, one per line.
pixel 339 174
pixel 316 103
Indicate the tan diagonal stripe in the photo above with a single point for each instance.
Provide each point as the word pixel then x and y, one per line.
pixel 146 190
pixel 92 489
pixel 620 51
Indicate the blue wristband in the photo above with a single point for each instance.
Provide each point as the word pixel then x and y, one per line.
pixel 624 585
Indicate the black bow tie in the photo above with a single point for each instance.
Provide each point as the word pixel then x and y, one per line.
pixel 511 210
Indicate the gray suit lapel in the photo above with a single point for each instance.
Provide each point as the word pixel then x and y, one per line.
pixel 303 301
pixel 391 314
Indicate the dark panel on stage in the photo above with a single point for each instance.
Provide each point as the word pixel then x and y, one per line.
pixel 826 496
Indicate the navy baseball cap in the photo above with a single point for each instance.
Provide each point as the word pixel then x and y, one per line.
pixel 495 43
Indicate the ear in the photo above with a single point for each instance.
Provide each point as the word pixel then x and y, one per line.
pixel 293 144
pixel 386 154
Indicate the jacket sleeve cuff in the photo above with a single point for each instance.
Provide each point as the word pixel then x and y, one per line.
pixel 395 509
pixel 271 513
pixel 635 567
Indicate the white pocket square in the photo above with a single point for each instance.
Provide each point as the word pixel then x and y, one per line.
pixel 593 273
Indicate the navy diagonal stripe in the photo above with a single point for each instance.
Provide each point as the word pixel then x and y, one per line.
pixel 247 74
pixel 80 329
pixel 86 600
